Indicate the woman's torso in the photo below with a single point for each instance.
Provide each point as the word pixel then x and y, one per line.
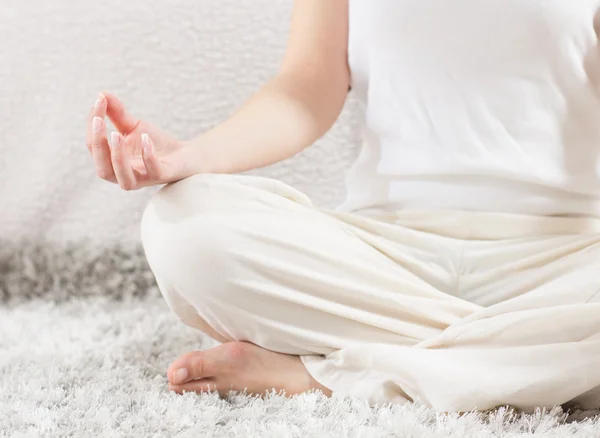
pixel 477 105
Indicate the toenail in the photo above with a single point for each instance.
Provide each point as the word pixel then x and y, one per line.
pixel 180 375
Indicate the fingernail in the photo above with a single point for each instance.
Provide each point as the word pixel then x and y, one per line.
pixel 180 375
pixel 145 143
pixel 99 100
pixel 115 139
pixel 97 125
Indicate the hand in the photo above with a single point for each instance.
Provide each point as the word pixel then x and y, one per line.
pixel 139 154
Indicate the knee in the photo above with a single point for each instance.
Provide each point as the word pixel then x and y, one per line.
pixel 178 220
pixel 178 201
pixel 186 240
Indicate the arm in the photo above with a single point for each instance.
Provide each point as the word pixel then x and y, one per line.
pixel 285 116
pixel 297 106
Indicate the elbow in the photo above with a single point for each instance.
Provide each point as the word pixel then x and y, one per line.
pixel 321 94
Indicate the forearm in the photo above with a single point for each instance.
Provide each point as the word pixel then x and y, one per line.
pixel 285 116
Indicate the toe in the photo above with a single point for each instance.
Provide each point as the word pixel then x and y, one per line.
pixel 188 367
pixel 218 361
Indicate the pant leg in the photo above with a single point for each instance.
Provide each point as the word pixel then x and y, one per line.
pixel 541 290
pixel 536 339
pixel 355 298
pixel 542 350
pixel 252 258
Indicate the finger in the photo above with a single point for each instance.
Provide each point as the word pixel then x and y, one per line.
pixel 153 165
pixel 101 151
pixel 597 23
pixel 120 162
pixel 98 110
pixel 118 114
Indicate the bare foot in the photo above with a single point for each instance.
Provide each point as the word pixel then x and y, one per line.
pixel 240 366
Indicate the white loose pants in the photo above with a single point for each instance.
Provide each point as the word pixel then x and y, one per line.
pixel 458 309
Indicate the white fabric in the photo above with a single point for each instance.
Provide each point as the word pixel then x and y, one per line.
pixel 478 105
pixel 461 310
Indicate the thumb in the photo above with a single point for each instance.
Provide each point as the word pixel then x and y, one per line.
pixel 118 114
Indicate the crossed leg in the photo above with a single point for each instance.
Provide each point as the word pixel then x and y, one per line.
pixel 305 299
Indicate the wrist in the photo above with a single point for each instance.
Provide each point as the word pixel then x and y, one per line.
pixel 198 156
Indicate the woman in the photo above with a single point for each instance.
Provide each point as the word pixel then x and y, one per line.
pixel 463 270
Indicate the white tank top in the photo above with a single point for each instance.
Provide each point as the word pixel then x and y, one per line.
pixel 477 104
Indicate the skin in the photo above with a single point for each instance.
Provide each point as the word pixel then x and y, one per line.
pixel 287 114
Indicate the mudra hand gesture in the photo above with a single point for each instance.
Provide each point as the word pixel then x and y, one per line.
pixel 139 154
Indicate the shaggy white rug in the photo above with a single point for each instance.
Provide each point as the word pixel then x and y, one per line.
pixel 85 341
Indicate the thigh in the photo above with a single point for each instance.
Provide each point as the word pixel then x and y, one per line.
pixel 547 270
pixel 258 262
pixel 534 291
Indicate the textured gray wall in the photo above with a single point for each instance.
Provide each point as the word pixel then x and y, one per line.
pixel 184 65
